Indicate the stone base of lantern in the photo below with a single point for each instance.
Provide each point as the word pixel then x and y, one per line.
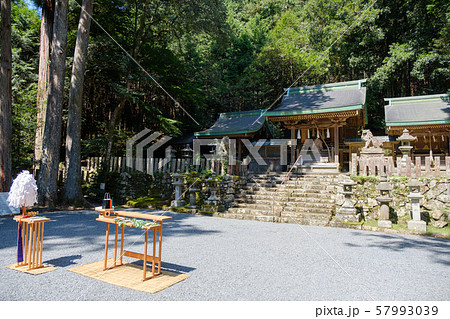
pixel 347 218
pixel 177 203
pixel 384 223
pixel 419 225
pixel 213 208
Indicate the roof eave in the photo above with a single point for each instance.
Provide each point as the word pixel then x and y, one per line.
pixel 316 111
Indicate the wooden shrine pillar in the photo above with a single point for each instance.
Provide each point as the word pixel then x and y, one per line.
pixel 293 148
pixel 336 144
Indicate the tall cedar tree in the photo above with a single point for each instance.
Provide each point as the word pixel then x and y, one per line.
pixel 5 97
pixel 51 142
pixel 72 186
pixel 44 73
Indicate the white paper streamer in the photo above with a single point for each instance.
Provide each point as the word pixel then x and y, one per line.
pixel 23 191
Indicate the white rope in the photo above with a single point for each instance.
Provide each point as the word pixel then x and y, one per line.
pixel 177 104
pixel 317 60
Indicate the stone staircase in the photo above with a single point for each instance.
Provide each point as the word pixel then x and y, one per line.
pixel 303 199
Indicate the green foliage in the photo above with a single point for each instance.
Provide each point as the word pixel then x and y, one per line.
pixel 25 50
pixel 121 186
pixel 133 222
pixel 364 179
pixel 146 202
pixel 227 55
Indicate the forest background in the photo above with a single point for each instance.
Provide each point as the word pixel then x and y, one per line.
pixel 215 56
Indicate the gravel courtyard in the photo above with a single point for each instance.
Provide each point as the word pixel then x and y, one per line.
pixel 237 260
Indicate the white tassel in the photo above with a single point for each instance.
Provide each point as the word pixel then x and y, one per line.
pixel 23 191
pixel 328 133
pixel 442 138
pixel 299 135
pixel 434 138
pixel 309 136
pixel 318 134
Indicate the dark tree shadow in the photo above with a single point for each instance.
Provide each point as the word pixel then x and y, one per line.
pixel 63 261
pixel 438 248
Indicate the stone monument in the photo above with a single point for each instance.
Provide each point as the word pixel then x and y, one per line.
pixel 384 187
pixel 212 187
pixel 178 183
pixel 193 197
pixel 415 196
pixel 372 154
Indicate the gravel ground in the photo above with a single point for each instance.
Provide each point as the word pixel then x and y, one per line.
pixel 237 260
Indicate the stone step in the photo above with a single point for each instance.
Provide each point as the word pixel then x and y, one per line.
pixel 266 210
pixel 284 195
pixel 300 219
pixel 287 201
pixel 292 208
pixel 281 190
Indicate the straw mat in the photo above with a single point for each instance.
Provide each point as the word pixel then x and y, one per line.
pixel 129 276
pixel 37 271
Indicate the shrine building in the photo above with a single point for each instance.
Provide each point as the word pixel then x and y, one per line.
pixel 426 117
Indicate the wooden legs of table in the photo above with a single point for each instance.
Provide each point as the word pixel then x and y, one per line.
pixel 32 243
pixel 115 264
pixel 121 246
pixel 155 258
pixel 106 247
pixel 145 256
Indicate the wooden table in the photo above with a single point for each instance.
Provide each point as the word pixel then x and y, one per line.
pixel 32 240
pixel 109 216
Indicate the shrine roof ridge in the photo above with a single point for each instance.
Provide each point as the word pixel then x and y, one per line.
pixel 319 87
pixel 419 98
pixel 233 123
pixel 418 110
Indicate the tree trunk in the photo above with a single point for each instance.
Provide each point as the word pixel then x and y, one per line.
pixel 72 186
pixel 44 73
pixel 5 98
pixel 51 142
pixel 112 124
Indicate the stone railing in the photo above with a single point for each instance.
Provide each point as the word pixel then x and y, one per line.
pixel 437 166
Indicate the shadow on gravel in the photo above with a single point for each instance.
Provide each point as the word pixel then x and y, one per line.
pixel 179 269
pixel 63 261
pixel 438 248
pixel 79 228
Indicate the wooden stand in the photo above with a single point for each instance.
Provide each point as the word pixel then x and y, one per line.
pixel 109 216
pixel 32 239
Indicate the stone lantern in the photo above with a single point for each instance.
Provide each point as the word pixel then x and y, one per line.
pixel 347 213
pixel 384 187
pixel 187 154
pixel 212 187
pixel 193 197
pixel 405 140
pixel 415 196
pixel 178 183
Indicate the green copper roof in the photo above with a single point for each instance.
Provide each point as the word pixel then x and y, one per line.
pixel 236 123
pixel 418 110
pixel 333 97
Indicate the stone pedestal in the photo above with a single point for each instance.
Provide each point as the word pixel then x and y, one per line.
pixel 384 187
pixel 193 198
pixel 416 223
pixel 178 183
pixel 212 187
pixel 347 215
pixel 419 225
